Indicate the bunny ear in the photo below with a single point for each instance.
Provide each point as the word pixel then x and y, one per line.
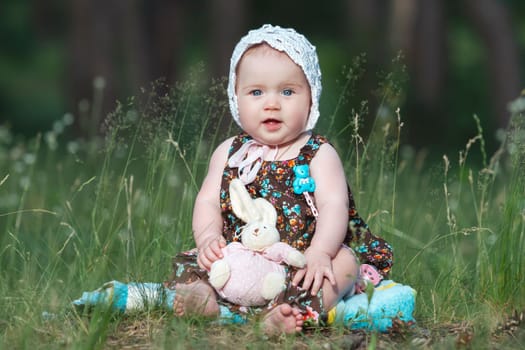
pixel 266 210
pixel 242 203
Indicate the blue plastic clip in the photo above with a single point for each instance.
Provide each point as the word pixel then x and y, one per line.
pixel 303 182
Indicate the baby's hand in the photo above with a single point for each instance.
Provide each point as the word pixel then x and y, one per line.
pixel 318 267
pixel 210 252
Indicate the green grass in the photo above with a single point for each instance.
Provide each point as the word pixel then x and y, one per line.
pixel 75 214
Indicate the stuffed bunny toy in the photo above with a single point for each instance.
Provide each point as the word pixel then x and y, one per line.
pixel 251 273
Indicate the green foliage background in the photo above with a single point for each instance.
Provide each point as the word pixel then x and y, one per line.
pixel 34 61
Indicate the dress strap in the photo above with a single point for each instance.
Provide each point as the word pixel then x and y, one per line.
pixel 303 183
pixel 309 150
pixel 238 142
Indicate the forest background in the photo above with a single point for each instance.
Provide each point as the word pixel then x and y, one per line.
pixel 92 189
pixel 461 57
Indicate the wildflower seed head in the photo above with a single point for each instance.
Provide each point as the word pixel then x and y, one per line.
pixel 29 158
pixel 5 135
pixel 99 83
pixel 68 119
pixel 83 106
pixel 58 127
pixel 517 106
pixel 24 182
pixel 73 147
pixel 51 140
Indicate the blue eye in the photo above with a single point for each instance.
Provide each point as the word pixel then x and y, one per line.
pixel 287 92
pixel 256 92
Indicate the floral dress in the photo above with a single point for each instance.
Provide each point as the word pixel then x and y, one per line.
pixel 295 223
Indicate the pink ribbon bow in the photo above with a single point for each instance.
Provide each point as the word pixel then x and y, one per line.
pixel 248 159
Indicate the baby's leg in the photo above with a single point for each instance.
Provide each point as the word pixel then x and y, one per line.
pixel 283 319
pixel 346 271
pixel 196 298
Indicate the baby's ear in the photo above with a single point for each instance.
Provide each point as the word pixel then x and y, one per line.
pixel 266 210
pixel 242 203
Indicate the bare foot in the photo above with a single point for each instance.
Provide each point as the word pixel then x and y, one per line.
pixel 195 298
pixel 283 319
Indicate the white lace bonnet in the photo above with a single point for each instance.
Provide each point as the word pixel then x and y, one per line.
pixel 296 46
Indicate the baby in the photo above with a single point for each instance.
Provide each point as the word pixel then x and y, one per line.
pixel 274 90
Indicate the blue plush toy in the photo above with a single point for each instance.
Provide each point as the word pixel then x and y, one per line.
pixel 128 297
pixel 389 301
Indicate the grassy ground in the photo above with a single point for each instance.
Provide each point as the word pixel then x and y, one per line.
pixel 75 214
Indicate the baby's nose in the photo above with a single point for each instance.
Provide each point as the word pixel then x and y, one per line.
pixel 272 102
pixel 256 232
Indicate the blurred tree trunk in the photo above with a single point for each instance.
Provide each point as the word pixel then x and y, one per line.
pixel 428 65
pixel 227 27
pixel 492 21
pixel 127 43
pixel 368 34
pixel 403 18
pixel 367 27
pixel 133 53
pixel 424 23
pixel 91 41
pixel 166 29
pixel 429 52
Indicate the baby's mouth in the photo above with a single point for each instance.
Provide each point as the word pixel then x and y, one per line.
pixel 271 121
pixel 272 124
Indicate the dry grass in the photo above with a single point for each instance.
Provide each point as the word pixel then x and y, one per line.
pixel 158 330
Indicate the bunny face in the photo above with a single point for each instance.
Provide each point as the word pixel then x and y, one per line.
pixel 258 236
pixel 258 214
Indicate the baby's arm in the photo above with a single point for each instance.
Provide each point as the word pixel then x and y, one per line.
pixel 207 220
pixel 331 200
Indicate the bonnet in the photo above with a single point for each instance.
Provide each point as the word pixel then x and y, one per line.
pixel 296 46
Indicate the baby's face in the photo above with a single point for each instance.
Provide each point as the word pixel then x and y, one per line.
pixel 273 96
